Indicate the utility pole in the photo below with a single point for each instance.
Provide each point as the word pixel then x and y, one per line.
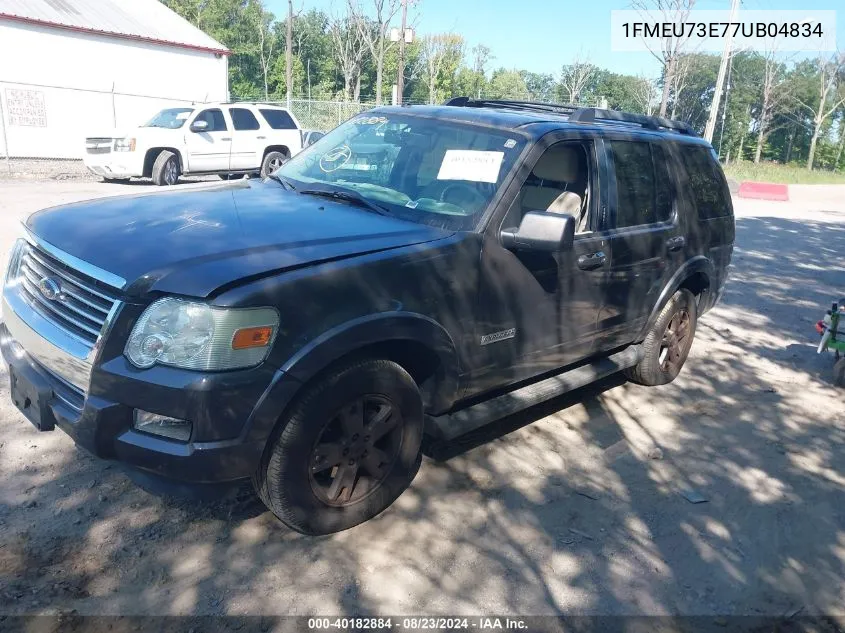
pixel 400 79
pixel 720 79
pixel 289 53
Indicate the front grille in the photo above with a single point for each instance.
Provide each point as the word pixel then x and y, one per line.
pixel 81 305
pixel 98 145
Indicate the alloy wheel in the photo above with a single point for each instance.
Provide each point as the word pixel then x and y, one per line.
pixel 356 450
pixel 675 341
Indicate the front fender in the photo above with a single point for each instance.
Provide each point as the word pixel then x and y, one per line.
pixel 359 333
pixel 346 339
pixel 698 264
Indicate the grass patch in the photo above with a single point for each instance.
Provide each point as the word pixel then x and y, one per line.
pixel 785 174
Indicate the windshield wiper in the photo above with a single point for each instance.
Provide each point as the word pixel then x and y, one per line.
pixel 347 195
pixel 282 181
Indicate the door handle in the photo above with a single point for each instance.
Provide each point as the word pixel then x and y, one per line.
pixel 592 261
pixel 226 138
pixel 261 138
pixel 675 243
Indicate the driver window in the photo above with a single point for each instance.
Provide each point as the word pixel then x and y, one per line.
pixel 558 183
pixel 214 118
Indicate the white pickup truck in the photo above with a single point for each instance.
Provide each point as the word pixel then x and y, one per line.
pixel 228 139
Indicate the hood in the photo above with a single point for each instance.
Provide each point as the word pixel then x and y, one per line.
pixel 193 242
pixel 150 134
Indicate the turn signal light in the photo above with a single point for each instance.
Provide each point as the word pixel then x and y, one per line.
pixel 249 337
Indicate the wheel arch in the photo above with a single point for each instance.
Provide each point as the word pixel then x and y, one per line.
pixel 417 343
pixel 151 155
pixel 695 275
pixel 284 149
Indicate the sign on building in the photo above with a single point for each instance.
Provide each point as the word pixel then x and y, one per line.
pixel 26 107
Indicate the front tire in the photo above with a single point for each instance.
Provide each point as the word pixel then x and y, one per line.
pixel 667 344
pixel 166 169
pixel 348 448
pixel 272 161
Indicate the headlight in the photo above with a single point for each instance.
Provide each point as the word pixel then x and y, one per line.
pixel 14 261
pixel 124 145
pixel 197 336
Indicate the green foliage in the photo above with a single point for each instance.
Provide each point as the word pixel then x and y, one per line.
pixel 438 66
pixel 792 174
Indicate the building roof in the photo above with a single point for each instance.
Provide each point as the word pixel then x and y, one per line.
pixel 140 20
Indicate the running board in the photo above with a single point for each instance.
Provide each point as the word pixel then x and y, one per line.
pixel 451 425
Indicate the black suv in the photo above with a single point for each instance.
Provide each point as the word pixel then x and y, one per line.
pixel 418 271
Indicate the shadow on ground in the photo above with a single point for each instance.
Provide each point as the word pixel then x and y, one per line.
pixel 577 506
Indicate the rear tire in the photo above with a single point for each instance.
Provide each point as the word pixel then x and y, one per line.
pixel 346 451
pixel 272 161
pixel 667 344
pixel 166 169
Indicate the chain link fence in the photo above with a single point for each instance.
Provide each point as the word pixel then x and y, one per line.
pixel 312 114
pixel 315 114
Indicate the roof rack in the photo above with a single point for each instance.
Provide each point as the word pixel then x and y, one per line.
pixel 578 114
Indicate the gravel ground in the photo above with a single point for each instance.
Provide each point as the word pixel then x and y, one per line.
pixel 573 507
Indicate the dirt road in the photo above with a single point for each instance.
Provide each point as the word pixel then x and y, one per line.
pixel 567 508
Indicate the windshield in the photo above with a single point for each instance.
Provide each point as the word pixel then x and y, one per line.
pixel 424 170
pixel 172 118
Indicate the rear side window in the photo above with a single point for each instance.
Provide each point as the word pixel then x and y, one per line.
pixel 643 192
pixel 707 185
pixel 216 122
pixel 278 119
pixel 243 119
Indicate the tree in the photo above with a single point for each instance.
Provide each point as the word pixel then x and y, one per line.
pixel 348 47
pixel 773 96
pixel 540 86
pixel 645 95
pixel 671 48
pixel 621 91
pixel 262 22
pixel 374 30
pixel 574 78
pixel 441 56
pixel 481 57
pixel 830 96
pixel 507 84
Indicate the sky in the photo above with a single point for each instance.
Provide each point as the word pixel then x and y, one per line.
pixel 543 35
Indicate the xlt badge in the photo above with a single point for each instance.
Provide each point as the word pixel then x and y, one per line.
pixel 495 337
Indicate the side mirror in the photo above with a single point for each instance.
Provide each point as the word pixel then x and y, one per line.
pixel 200 125
pixel 541 231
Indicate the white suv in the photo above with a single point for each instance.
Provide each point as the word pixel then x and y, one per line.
pixel 227 139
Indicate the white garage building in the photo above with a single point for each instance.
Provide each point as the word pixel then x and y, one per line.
pixel 76 68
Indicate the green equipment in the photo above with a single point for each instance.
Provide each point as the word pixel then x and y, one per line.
pixel 828 328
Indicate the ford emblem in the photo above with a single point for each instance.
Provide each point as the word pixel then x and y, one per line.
pixel 50 288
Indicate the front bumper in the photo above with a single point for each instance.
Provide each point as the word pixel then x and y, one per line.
pixel 229 430
pixel 116 164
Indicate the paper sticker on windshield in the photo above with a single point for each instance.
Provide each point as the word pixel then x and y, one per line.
pixel 471 165
pixel 182 115
pixel 510 143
